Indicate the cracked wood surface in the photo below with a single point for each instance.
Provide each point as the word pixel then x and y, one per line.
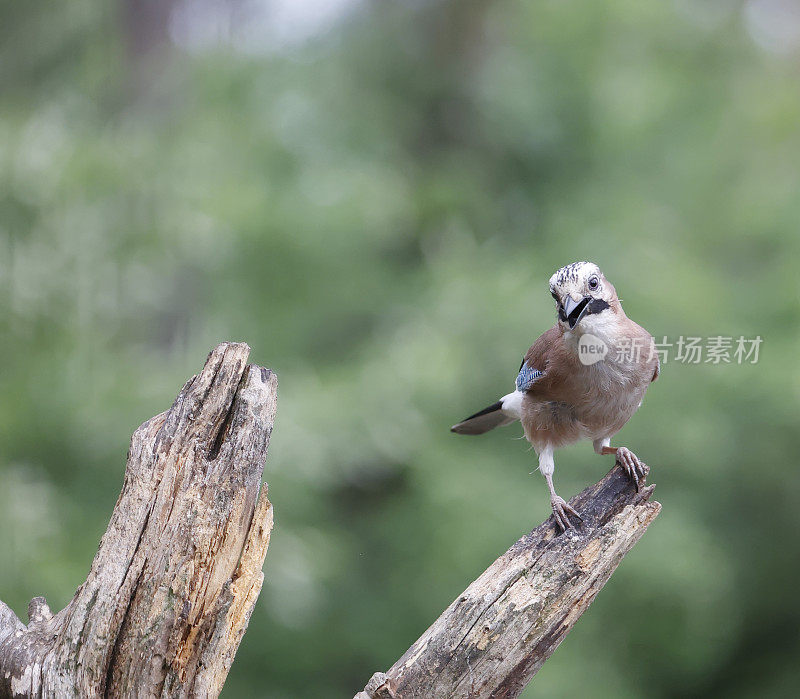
pixel 178 571
pixel 493 639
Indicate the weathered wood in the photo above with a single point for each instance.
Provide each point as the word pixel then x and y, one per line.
pixel 493 639
pixel 178 571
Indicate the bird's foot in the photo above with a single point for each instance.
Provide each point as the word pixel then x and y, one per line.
pixel 561 510
pixel 636 469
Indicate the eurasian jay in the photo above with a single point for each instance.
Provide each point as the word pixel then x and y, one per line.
pixel 582 379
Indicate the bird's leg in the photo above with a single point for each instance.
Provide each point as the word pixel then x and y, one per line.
pixel 561 509
pixel 636 469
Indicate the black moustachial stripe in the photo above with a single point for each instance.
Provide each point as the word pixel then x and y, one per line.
pixel 597 305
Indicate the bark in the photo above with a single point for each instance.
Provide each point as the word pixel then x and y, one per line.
pixel 178 571
pixel 493 639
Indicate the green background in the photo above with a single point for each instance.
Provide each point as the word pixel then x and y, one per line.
pixel 373 195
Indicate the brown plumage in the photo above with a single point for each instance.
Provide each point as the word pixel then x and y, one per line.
pixel 573 401
pixel 564 392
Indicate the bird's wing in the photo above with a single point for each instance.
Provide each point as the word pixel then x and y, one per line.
pixel 550 367
pixel 534 366
pixel 648 358
pixel 656 370
pixel 528 375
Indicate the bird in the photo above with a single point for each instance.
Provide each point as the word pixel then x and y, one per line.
pixel 582 379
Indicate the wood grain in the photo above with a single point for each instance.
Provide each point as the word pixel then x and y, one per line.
pixel 493 639
pixel 178 571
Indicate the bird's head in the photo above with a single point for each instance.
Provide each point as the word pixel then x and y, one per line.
pixel 583 295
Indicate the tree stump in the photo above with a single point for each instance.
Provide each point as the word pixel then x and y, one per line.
pixel 178 571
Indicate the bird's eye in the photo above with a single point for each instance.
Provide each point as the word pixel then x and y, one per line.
pixel 594 282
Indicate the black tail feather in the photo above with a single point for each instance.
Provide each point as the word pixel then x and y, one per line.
pixel 483 421
pixel 492 408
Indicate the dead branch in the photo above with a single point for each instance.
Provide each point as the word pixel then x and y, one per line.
pixel 493 639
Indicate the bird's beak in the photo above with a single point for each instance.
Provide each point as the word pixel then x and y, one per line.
pixel 575 310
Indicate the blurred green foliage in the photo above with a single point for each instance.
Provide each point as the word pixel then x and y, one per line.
pixel 376 207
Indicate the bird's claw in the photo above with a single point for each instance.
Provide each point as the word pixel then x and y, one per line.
pixel 636 469
pixel 561 510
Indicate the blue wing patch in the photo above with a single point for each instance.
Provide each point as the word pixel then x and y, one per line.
pixel 527 377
